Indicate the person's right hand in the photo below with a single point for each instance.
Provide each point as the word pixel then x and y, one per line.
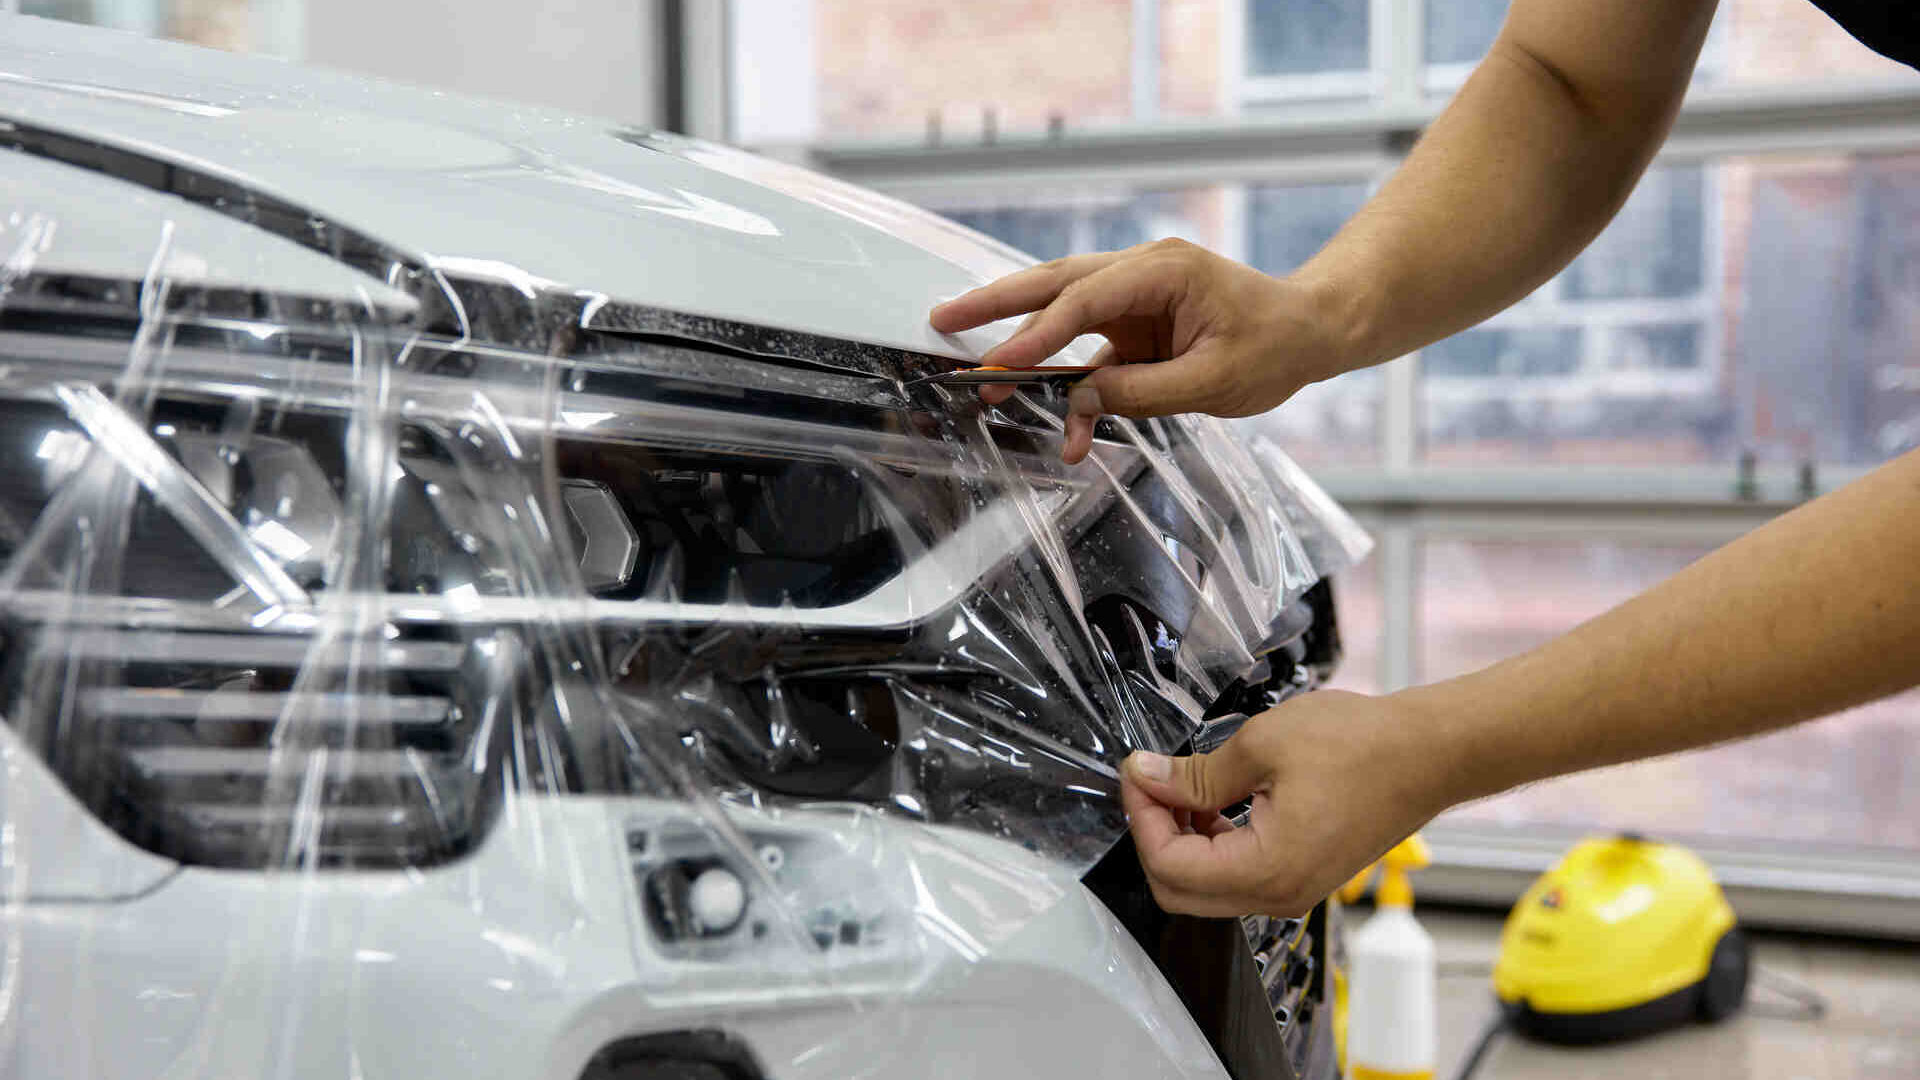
pixel 1228 339
pixel 1336 779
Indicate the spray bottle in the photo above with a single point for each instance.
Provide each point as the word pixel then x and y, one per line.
pixel 1390 1025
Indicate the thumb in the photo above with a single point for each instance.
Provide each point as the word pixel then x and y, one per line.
pixel 1198 781
pixel 1193 382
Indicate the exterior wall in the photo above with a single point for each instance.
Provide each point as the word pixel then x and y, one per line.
pixel 1192 67
pixel 1794 41
pixel 884 68
pixel 222 24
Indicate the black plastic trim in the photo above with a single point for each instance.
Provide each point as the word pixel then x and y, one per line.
pixel 1635 1021
pixel 675 1055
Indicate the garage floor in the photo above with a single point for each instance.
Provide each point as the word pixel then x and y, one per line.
pixel 1871 1030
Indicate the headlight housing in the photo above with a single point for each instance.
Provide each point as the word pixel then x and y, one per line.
pixel 285 592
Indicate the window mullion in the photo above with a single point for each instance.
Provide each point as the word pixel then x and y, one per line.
pixel 1146 60
pixel 1399 413
pixel 706 72
pixel 1399 584
pixel 1396 37
pixel 1235 243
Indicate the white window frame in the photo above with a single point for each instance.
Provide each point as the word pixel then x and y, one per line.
pixel 1081 204
pixel 1393 32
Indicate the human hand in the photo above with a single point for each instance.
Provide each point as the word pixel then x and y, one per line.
pixel 1229 340
pixel 1336 779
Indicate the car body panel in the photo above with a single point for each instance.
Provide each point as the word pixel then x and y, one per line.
pixel 525 194
pixel 499 966
pixel 93 225
pixel 483 586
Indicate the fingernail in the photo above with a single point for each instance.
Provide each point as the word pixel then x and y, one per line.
pixel 1084 399
pixel 1150 766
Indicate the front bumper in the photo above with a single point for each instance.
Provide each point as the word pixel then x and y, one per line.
pixel 535 954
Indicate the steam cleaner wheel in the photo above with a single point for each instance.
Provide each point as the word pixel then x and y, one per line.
pixel 1725 987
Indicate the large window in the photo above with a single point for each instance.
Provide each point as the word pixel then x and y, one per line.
pixel 1338 421
pixel 1745 307
pixel 1288 223
pixel 1459 31
pixel 1741 308
pixel 1845 780
pixel 945 74
pixel 1614 357
pixel 1307 49
pixel 1746 331
pixel 1306 37
pixel 1064 223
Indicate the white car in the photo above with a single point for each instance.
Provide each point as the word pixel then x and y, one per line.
pixel 484 595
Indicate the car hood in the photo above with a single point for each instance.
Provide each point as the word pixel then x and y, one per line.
pixel 526 196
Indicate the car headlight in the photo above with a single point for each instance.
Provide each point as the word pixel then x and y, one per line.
pixel 327 594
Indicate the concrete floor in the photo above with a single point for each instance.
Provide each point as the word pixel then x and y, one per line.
pixel 1871 1030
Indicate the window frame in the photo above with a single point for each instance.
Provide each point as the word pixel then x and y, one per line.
pixel 1393 30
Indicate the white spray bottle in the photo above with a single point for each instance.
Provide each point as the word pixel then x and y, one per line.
pixel 1390 1022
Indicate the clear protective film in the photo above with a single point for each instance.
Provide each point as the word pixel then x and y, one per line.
pixel 430 670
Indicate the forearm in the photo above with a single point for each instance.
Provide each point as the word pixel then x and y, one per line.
pixel 1816 611
pixel 1533 157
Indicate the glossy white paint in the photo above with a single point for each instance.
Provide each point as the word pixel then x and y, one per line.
pixel 565 199
pixel 60 219
pixel 526 957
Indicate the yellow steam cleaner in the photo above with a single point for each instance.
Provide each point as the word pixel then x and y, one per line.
pixel 1623 937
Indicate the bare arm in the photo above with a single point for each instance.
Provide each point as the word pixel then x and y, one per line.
pixel 1534 156
pixel 1531 159
pixel 1816 611
pixel 1813 612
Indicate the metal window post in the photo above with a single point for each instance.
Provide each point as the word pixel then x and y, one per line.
pixel 1399 35
pixel 1399 602
pixel 1399 549
pixel 279 28
pixel 699 67
pixel 1146 59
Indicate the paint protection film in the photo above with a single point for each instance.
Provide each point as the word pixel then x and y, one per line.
pixel 390 669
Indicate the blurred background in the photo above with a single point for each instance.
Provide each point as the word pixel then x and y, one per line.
pixel 1745 335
